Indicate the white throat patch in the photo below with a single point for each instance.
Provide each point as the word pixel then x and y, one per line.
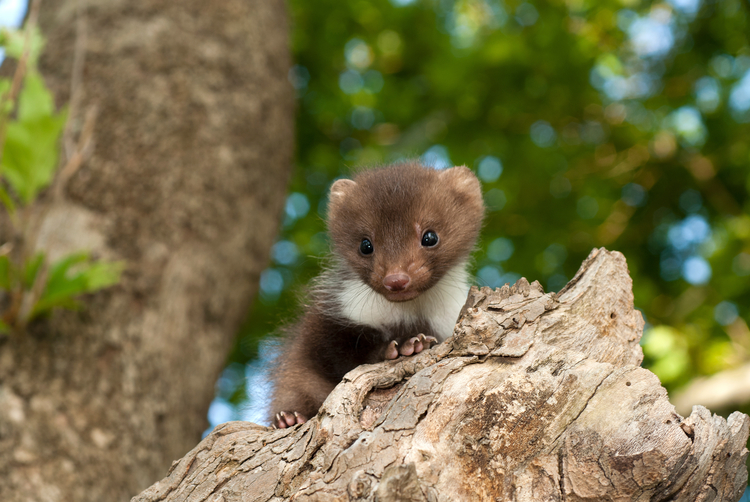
pixel 439 305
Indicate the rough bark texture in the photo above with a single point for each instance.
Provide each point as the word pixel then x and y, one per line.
pixel 193 147
pixel 536 397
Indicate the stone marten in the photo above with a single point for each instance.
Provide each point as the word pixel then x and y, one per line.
pixel 401 238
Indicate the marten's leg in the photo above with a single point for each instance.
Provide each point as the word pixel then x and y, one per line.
pixel 298 395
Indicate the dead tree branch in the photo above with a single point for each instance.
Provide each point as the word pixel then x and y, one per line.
pixel 535 397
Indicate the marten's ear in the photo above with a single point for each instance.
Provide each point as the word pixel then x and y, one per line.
pixel 462 179
pixel 339 191
pixel 341 187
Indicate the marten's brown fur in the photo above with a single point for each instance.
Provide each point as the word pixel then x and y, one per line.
pixel 373 305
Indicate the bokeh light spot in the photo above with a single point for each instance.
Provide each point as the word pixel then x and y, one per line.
pixel 436 157
pixel 526 14
pixel 722 65
pixel 358 54
pixel 741 265
pixel 500 249
pixel 220 412
pixel 690 232
pixel 299 76
pixel 350 82
pixel 652 35
pixel 587 207
pixel 285 252
pixel 691 201
pixel 708 94
pixel 489 169
pixel 634 195
pixel 373 81
pixel 495 199
pixel 551 258
pixel 297 205
pixel 688 7
pixel 362 117
pixel 739 99
pixel 542 134
pixel 726 313
pixel 696 270
pixel 271 283
pixel 687 123
pixel 490 276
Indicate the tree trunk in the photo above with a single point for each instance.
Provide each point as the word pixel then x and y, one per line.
pixel 536 397
pixel 186 183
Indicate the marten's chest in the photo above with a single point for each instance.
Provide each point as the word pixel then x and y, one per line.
pixel 433 313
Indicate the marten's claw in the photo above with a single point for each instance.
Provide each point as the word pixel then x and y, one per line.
pixel 392 351
pixel 284 419
pixel 428 341
pixel 417 344
pixel 413 345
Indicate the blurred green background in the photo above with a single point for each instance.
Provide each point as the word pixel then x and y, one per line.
pixel 613 123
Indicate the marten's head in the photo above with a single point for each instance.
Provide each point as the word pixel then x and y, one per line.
pixel 401 228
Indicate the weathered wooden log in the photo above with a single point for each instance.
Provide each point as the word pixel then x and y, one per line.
pixel 535 397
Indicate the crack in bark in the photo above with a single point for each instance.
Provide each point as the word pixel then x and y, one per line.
pixel 588 400
pixel 561 472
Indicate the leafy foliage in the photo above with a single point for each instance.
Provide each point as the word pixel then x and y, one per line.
pixel 30 130
pixel 31 144
pixel 617 123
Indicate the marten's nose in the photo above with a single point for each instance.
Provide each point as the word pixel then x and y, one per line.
pixel 396 282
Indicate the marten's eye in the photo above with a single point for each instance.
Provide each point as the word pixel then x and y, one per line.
pixel 429 239
pixel 365 247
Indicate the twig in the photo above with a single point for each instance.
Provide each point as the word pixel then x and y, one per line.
pixel 79 58
pixel 29 299
pixel 22 63
pixel 81 151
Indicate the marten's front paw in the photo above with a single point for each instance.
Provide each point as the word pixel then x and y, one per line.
pixel 413 345
pixel 284 419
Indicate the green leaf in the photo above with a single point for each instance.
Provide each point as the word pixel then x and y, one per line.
pixel 103 275
pixel 4 328
pixel 7 201
pixel 75 275
pixel 60 288
pixel 5 273
pixel 14 40
pixel 31 146
pixel 31 269
pixel 35 101
pixel 4 89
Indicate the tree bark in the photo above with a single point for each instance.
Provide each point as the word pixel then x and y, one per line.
pixel 535 397
pixel 186 183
